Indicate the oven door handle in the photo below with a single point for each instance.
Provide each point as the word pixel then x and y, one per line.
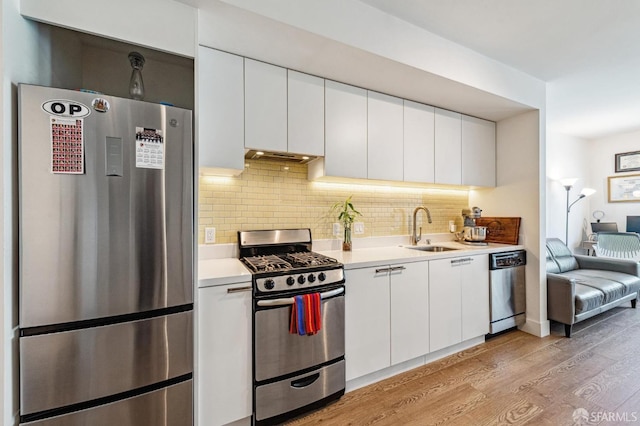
pixel 289 300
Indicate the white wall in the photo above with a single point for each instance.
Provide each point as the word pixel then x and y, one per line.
pixel 601 165
pixel 315 39
pixel 569 157
pixel 160 24
pixel 520 169
pixel 369 29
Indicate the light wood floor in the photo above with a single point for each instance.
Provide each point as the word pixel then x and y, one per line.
pixel 513 379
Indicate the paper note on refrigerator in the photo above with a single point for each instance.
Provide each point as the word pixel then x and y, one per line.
pixel 67 146
pixel 149 148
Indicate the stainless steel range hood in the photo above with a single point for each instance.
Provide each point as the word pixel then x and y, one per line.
pixel 253 154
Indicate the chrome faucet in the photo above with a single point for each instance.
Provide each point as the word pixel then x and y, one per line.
pixel 414 238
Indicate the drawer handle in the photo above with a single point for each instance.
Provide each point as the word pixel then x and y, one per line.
pixel 305 381
pixel 391 269
pixel 239 289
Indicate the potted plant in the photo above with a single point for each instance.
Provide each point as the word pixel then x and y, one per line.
pixel 346 215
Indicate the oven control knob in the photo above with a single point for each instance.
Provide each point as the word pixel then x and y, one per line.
pixel 301 279
pixel 269 284
pixel 291 281
pixel 322 276
pixel 311 278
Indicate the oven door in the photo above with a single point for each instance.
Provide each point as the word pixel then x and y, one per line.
pixel 278 352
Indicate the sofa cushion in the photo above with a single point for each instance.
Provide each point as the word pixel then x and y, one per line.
pixel 611 289
pixel 562 255
pixel 552 265
pixel 631 283
pixel 587 298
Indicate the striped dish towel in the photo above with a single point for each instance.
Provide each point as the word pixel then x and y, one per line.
pixel 306 316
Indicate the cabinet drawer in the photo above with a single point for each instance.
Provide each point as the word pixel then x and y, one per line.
pixel 296 392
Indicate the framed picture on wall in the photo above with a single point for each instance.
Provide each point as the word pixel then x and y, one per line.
pixel 628 162
pixel 624 188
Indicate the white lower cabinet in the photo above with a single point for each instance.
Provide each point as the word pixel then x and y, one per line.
pixel 224 372
pixel 475 297
pixel 367 318
pixel 459 300
pixel 409 311
pixel 445 309
pixel 386 316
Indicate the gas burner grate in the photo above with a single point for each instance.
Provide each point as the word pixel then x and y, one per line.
pixel 268 263
pixel 306 259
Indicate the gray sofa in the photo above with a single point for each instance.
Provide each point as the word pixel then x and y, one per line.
pixel 579 287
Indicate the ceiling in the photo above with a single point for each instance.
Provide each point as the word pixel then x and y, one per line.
pixel 588 51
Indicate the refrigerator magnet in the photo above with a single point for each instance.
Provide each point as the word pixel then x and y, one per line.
pixel 67 145
pixel 149 148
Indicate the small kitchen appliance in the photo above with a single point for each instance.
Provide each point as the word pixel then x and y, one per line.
pixel 471 233
pixel 291 373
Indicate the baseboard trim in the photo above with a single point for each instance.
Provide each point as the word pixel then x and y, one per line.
pixel 539 329
pixel 393 370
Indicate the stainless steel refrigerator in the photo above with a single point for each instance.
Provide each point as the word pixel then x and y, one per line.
pixel 106 260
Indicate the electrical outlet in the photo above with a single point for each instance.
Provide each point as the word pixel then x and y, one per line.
pixel 358 227
pixel 209 235
pixel 336 229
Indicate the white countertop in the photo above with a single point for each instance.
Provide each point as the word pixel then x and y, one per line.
pixel 213 272
pixel 362 258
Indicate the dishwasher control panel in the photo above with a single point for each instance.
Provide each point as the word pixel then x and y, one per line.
pixel 509 259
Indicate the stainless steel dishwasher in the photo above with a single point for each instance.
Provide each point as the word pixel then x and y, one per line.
pixel 507 297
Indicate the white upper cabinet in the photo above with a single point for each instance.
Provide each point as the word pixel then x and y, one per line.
pixel 418 142
pixel 479 149
pixel 385 134
pixel 448 147
pixel 265 106
pixel 345 131
pixel 220 115
pixel 305 114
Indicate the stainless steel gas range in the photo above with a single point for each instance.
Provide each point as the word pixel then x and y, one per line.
pixel 293 373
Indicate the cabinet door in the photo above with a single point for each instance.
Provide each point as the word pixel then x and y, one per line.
pixel 224 354
pixel 475 297
pixel 384 137
pixel 305 111
pixel 409 311
pixel 445 310
pixel 418 142
pixel 479 149
pixel 265 106
pixel 345 131
pixel 448 147
pixel 367 330
pixel 220 110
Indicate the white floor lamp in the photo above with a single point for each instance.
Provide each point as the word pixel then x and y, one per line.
pixel 568 184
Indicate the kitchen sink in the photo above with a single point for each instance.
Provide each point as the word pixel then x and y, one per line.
pixel 431 248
